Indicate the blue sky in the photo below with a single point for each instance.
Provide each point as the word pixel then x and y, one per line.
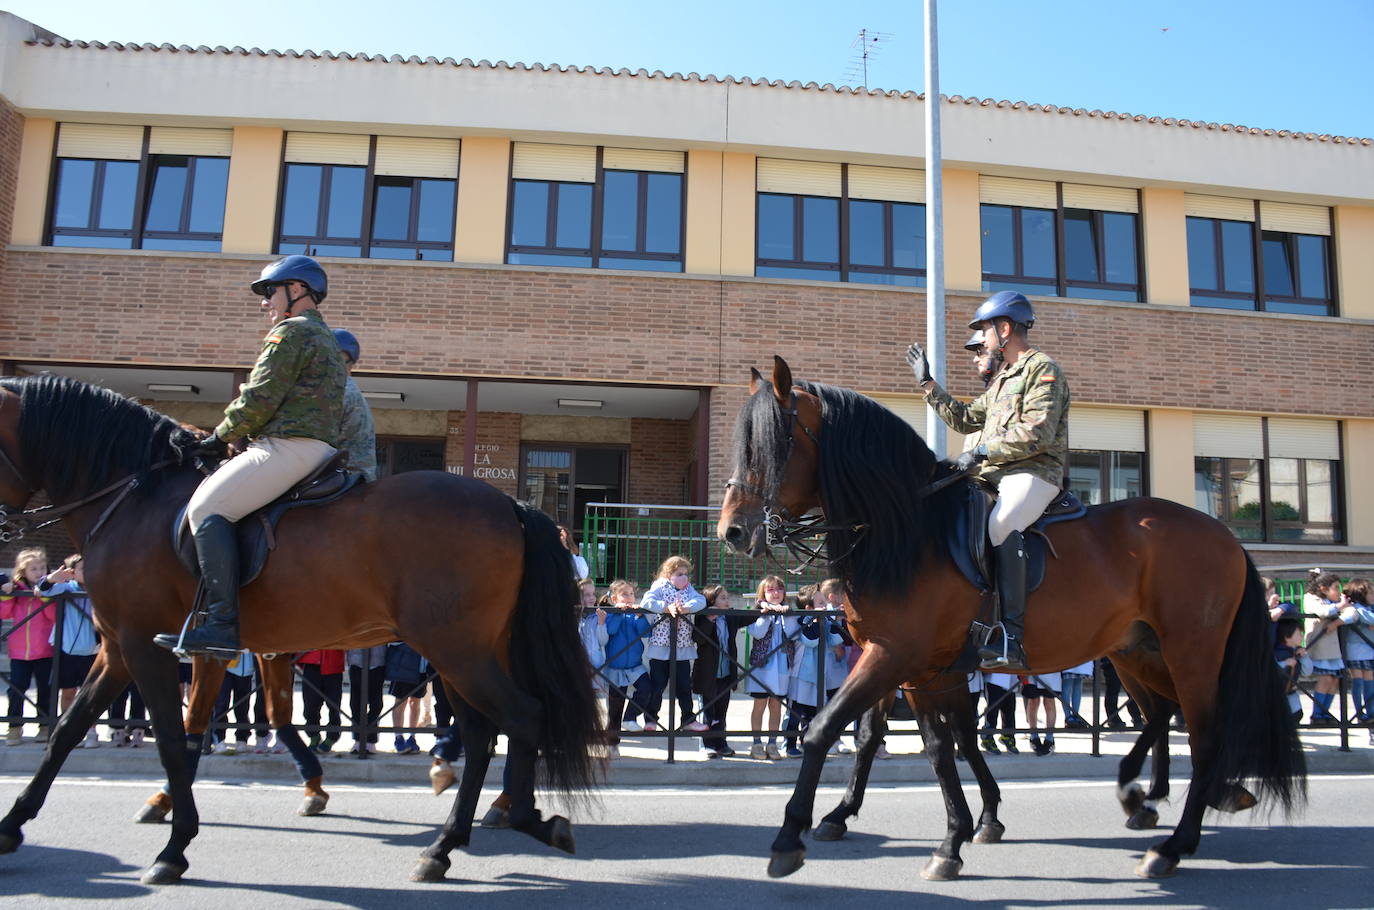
pixel 1261 63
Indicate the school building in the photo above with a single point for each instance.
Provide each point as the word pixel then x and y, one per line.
pixel 561 276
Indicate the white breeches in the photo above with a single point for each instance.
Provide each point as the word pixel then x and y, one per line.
pixel 1021 499
pixel 265 470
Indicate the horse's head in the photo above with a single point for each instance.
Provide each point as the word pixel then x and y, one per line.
pixel 15 488
pixel 777 453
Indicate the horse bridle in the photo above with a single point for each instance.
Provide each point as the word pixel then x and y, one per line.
pixel 781 527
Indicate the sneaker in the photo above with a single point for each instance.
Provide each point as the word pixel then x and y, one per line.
pixel 794 752
pixel 412 747
pixel 43 734
pixel 275 745
pixel 757 751
pixel 120 738
pixel 224 747
pixel 261 747
pixel 1049 747
pixel 843 748
pixel 401 747
pixel 371 748
pixel 726 752
pixel 92 740
pixel 136 738
pixel 882 754
pixel 695 726
pixel 650 727
pixel 327 745
pixel 613 752
pixel 990 745
pixel 15 736
pixel 1009 743
pixel 357 749
pixel 631 726
pixel 773 752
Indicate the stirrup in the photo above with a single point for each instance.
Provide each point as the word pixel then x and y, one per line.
pixel 992 659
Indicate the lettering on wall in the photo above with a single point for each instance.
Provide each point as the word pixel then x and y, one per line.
pixel 482 468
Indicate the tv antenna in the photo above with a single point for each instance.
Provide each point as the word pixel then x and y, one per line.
pixel 865 46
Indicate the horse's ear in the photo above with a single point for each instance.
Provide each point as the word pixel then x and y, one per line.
pixel 755 377
pixel 782 379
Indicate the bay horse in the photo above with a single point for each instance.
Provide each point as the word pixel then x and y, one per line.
pixel 1116 587
pixel 475 581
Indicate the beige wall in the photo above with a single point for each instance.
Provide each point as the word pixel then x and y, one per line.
pixel 1359 482
pixel 561 428
pixel 703 245
pixel 1171 455
pixel 35 172
pixel 483 182
pixel 963 231
pixel 254 173
pixel 1165 236
pixel 1355 260
pixel 737 214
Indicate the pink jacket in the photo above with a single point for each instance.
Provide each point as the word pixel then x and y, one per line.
pixel 32 640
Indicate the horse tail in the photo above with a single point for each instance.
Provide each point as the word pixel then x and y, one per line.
pixel 1254 737
pixel 548 660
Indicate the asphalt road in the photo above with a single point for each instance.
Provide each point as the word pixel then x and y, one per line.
pixel 1066 847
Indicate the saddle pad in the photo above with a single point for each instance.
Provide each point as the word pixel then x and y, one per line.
pixel 1066 508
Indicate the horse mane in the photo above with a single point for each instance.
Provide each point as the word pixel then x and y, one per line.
pixel 873 471
pixel 75 438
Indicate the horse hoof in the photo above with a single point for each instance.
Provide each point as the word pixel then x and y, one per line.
pixel 561 835
pixel 989 833
pixel 942 869
pixel 784 863
pixel 1156 865
pixel 163 873
pixel 313 804
pixel 496 817
pixel 1143 820
pixel 1235 799
pixel 150 814
pixel 441 776
pixel 829 831
pixel 430 869
pixel 1132 798
pixel 10 842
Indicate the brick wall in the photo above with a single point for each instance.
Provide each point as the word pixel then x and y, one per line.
pixel 11 139
pixel 660 452
pixel 498 448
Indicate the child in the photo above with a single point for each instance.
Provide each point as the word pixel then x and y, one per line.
pixel 1041 690
pixel 805 667
pixel 1358 634
pixel 321 684
pixel 1292 659
pixel 997 689
pixel 79 641
pixel 405 675
pixel 767 676
pixel 234 695
pixel 1072 693
pixel 591 627
pixel 625 632
pixel 714 675
pixel 366 676
pixel 830 596
pixel 673 597
pixel 1324 603
pixel 29 642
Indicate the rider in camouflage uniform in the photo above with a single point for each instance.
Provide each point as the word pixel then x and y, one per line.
pixel 290 410
pixel 1021 448
pixel 357 436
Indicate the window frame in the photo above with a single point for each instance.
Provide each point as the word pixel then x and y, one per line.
pixel 1060 284
pixel 597 251
pixel 1104 468
pixel 322 214
pixel 1258 300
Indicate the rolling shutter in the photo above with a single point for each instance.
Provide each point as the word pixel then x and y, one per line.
pixel 1227 436
pixel 326 148
pixel 1297 437
pixel 100 140
pixel 911 408
pixel 643 160
pixel 174 140
pixel 1101 198
pixel 568 163
pixel 887 184
pixel 399 156
pixel 1107 429
pixel 1226 207
pixel 1296 219
pixel 805 178
pixel 1036 194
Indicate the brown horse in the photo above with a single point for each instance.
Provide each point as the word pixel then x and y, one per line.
pixel 476 582
pixel 1114 588
pixel 278 686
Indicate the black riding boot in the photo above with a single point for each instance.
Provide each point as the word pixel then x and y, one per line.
pixel 217 551
pixel 1007 656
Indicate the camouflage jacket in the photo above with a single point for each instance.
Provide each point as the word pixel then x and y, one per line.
pixel 296 387
pixel 1022 418
pixel 356 435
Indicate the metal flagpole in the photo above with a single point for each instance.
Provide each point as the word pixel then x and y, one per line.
pixel 935 237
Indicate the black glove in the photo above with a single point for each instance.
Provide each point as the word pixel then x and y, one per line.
pixel 916 359
pixel 971 459
pixel 212 448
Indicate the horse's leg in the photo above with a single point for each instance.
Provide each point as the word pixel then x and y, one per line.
pixel 206 678
pixel 107 679
pixel 278 684
pixel 479 734
pixel 1141 807
pixel 874 676
pixel 872 729
pixel 946 863
pixel 963 719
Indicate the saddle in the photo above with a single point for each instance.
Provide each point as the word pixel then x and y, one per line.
pixel 257 531
pixel 970 547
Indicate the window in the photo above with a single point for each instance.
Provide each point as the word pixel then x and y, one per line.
pixel 1282 264
pixel 130 187
pixel 1107 454
pixel 399 454
pixel 840 222
pixel 1277 482
pixel 1066 240
pixel 591 207
pixel 384 197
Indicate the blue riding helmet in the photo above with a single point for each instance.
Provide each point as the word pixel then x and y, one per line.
pixel 293 268
pixel 1008 304
pixel 975 343
pixel 348 344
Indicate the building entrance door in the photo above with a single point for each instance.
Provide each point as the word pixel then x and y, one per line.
pixel 560 480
